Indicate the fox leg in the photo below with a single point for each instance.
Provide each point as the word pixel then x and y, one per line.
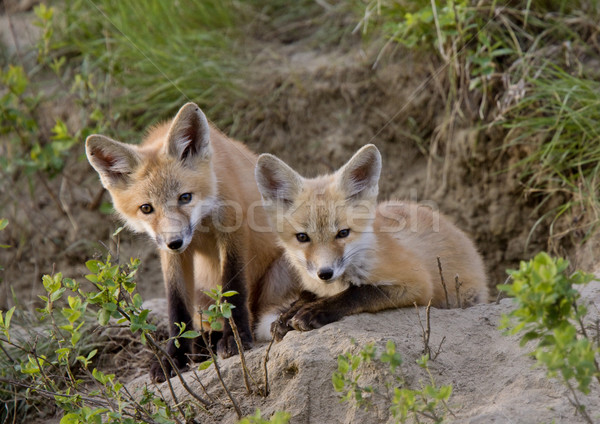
pixel 281 326
pixel 234 279
pixel 179 312
pixel 354 300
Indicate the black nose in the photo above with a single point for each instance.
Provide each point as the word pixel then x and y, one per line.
pixel 325 273
pixel 175 244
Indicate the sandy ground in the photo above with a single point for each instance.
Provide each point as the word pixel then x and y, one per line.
pixel 494 380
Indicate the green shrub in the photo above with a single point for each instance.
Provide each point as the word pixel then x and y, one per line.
pixel 428 402
pixel 549 312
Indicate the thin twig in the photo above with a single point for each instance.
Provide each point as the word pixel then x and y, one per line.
pixel 439 262
pixel 168 380
pixel 158 348
pixel 439 349
pixel 266 389
pixel 458 284
pixel 197 378
pixel 177 372
pixel 426 331
pixel 245 370
pixel 501 294
pixel 575 402
pixel 218 371
pixel 10 358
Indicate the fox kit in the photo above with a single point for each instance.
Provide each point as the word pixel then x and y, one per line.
pixel 192 190
pixel 354 255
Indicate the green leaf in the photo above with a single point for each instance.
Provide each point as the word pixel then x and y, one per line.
pixel 70 418
pixel 338 381
pixel 205 364
pixel 93 266
pixel 190 334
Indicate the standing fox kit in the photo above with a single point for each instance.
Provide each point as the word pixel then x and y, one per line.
pixel 192 190
pixel 354 255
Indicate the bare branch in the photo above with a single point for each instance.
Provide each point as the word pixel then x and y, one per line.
pixel 458 284
pixel 439 262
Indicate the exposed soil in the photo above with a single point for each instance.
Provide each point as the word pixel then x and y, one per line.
pixel 314 106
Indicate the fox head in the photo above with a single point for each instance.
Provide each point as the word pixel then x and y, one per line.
pixel 165 186
pixel 324 223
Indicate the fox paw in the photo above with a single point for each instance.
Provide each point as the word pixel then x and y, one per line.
pixel 227 347
pixel 279 328
pixel 310 318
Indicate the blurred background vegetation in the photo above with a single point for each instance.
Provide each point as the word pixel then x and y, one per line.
pixel 521 78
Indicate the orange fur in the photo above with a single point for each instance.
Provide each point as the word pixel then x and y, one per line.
pixel 342 242
pixel 191 189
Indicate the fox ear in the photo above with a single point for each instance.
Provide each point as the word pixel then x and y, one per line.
pixel 276 180
pixel 189 135
pixel 113 160
pixel 359 178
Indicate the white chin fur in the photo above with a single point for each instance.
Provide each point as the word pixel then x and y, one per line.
pixel 262 332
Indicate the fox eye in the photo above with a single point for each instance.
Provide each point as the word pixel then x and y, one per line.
pixel 185 198
pixel 302 237
pixel 146 208
pixel 343 233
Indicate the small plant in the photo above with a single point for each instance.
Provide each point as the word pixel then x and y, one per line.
pixel 63 371
pixel 548 311
pixel 429 402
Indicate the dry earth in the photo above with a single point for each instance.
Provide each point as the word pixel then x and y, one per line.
pixel 314 106
pixel 493 379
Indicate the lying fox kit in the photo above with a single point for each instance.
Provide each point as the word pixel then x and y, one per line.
pixel 191 189
pixel 354 255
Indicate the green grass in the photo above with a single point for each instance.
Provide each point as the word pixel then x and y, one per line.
pixel 544 48
pixel 557 121
pixel 158 54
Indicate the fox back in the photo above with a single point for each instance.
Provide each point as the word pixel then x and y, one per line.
pixel 336 234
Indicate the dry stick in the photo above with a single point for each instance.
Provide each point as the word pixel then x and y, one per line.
pixel 267 390
pixel 245 371
pixel 197 378
pixel 458 284
pixel 501 294
pixel 48 394
pixel 158 348
pixel 425 331
pixel 10 358
pixel 14 404
pixel 575 402
pixel 168 380
pixel 218 370
pixel 177 372
pixel 443 282
pixel 51 193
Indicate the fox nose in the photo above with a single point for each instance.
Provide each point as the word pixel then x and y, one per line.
pixel 325 273
pixel 175 244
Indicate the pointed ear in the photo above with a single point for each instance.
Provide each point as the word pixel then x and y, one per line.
pixel 113 160
pixel 189 134
pixel 359 178
pixel 276 180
